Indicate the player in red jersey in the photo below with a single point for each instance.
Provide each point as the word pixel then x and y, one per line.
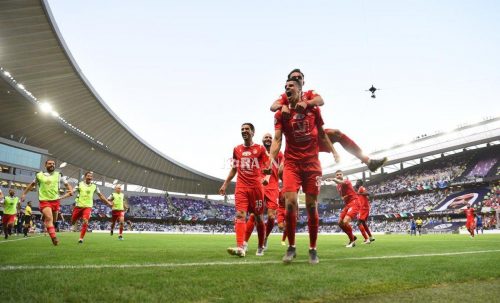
pixel 351 208
pixel 310 99
pixel 303 128
pixel 247 161
pixel 271 194
pixel 364 211
pixel 470 224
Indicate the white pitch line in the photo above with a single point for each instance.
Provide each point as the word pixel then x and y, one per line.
pixel 7 241
pixel 222 263
pixel 422 255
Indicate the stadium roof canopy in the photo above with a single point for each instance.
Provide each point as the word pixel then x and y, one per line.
pixel 80 128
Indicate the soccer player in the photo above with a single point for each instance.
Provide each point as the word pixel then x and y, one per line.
pixel 470 224
pixel 85 201
pixel 10 208
pixel 247 162
pixel 479 224
pixel 351 205
pixel 419 223
pixel 27 218
pixel 48 183
pixel 271 194
pixel 310 99
pixel 413 227
pixel 118 207
pixel 303 129
pixel 364 211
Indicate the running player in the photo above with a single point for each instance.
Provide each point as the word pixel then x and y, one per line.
pixel 470 224
pixel 271 195
pixel 310 99
pixel 118 208
pixel 247 162
pixel 27 219
pixel 364 211
pixel 48 183
pixel 351 205
pixel 10 208
pixel 84 202
pixel 479 224
pixel 303 130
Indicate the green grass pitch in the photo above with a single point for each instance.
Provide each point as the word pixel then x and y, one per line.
pixel 196 268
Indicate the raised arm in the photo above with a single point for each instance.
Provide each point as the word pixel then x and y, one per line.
pixel 69 191
pixel 27 190
pixel 103 199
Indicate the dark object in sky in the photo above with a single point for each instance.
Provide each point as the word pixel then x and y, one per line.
pixel 373 90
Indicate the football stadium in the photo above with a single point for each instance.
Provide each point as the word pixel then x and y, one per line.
pixel 94 212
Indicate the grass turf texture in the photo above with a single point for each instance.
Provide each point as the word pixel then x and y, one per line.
pixel 340 275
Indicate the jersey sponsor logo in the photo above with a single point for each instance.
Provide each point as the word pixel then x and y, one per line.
pixel 255 151
pixel 246 153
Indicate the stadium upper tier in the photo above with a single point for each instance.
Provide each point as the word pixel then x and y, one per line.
pixel 467 136
pixel 37 67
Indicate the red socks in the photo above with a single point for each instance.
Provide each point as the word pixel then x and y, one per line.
pixel 249 228
pixel 121 229
pixel 240 229
pixel 269 226
pixel 363 231
pixel 52 231
pixel 84 230
pixel 291 224
pixel 313 225
pixel 367 229
pixel 348 230
pixel 261 232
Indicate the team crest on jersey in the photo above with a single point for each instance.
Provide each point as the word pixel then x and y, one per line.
pixel 246 153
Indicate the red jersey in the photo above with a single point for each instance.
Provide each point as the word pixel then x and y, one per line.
pixel 249 160
pixel 306 96
pixel 470 213
pixel 363 200
pixel 347 192
pixel 301 133
pixel 274 178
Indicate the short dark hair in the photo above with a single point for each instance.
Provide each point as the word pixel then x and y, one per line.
pixel 87 172
pixel 249 124
pixel 49 160
pixel 360 182
pixel 339 171
pixel 296 70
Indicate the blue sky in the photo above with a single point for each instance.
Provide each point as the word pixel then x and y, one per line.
pixel 185 75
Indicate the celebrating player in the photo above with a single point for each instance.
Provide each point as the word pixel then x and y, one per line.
pixel 470 224
pixel 10 208
pixel 84 202
pixel 118 207
pixel 27 219
pixel 310 99
pixel 247 162
pixel 364 211
pixel 48 194
pixel 351 205
pixel 303 129
pixel 271 194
